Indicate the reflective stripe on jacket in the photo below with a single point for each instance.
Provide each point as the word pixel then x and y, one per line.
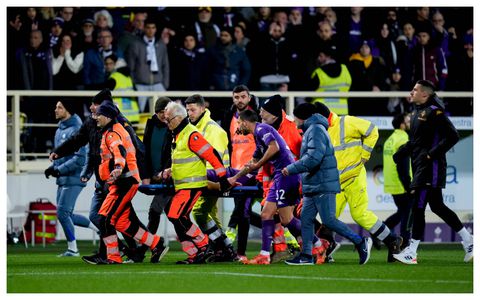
pixel 215 136
pixel 353 139
pixel 188 170
pixel 117 150
pixel 341 83
pixel 127 106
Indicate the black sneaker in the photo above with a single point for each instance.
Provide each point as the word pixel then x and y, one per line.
pixel 203 255
pixel 94 259
pixel 334 246
pixel 364 249
pixel 188 261
pixel 227 254
pixel 108 262
pixel 377 243
pixel 394 248
pixel 159 251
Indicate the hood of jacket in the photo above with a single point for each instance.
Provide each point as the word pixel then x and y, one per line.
pixel 315 119
pixel 74 120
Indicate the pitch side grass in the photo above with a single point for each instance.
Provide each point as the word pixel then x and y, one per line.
pixel 37 270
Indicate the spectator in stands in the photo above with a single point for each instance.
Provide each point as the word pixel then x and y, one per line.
pixel 86 37
pixel 446 39
pixel 70 24
pixel 189 66
pixel 368 71
pixel 93 64
pixel 46 13
pixel 230 65
pixel 240 38
pixel 281 16
pixel 207 32
pixel 67 64
pixel 272 59
pixel 261 23
pixel 34 66
pixel 56 30
pixel 368 74
pixel 67 171
pixel 31 20
pixel 322 39
pixel 461 69
pixel 119 79
pixel 14 42
pixel 228 17
pixel 148 62
pixel 331 17
pixel 396 105
pixel 406 44
pixel 133 31
pixel 353 28
pixel 296 34
pixel 103 20
pixel 429 61
pixel 422 19
pixel 385 48
pixel 393 24
pixel 331 76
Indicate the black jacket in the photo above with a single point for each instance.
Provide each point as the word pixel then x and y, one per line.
pixel 432 134
pixel 166 151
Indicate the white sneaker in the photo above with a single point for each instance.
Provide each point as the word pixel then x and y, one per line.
pixel 407 256
pixel 468 251
pixel 69 253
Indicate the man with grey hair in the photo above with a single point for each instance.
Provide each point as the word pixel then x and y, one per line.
pixel 190 152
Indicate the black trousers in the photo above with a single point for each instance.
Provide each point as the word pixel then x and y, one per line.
pixel 433 197
pixel 404 204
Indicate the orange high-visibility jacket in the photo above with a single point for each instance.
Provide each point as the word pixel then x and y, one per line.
pixel 118 151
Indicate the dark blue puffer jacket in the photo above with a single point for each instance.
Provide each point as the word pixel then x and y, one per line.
pixel 69 166
pixel 317 164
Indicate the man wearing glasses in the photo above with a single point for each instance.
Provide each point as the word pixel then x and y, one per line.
pixel 190 152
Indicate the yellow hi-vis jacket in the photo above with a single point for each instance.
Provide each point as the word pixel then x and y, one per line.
pixel 215 136
pixel 341 83
pixel 127 106
pixel 353 139
pixel 188 170
pixel 391 180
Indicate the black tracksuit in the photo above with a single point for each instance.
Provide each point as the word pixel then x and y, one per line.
pixel 431 135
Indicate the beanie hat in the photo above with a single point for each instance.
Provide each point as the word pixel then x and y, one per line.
pixel 103 95
pixel 161 103
pixel 108 109
pixel 322 109
pixel 273 105
pixel 304 111
pixel 69 105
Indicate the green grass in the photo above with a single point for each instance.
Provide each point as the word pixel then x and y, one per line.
pixel 37 270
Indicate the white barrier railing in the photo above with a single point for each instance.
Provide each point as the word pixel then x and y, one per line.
pixel 15 164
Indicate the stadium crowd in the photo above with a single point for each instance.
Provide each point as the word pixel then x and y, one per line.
pixel 228 49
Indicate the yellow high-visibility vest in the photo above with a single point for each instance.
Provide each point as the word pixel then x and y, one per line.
pixel 341 83
pixel 188 170
pixel 127 106
pixel 391 181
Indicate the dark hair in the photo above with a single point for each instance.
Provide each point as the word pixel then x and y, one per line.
pixel 241 88
pixel 195 98
pixel 428 87
pixel 248 115
pixel 112 57
pixel 398 119
pixel 150 21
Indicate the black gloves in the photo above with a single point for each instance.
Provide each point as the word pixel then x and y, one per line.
pixel 51 171
pixel 224 184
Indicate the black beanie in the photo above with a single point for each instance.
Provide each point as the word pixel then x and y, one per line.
pixel 304 111
pixel 273 105
pixel 108 109
pixel 322 109
pixel 69 105
pixel 103 95
pixel 161 103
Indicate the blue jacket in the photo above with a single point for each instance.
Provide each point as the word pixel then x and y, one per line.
pixel 317 163
pixel 69 166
